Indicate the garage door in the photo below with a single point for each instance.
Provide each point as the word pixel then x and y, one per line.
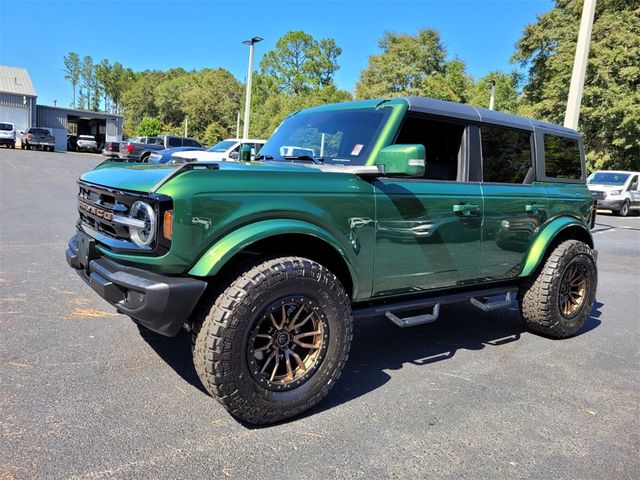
pixel 16 115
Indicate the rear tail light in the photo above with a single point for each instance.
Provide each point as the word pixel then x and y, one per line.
pixel 129 148
pixel 29 136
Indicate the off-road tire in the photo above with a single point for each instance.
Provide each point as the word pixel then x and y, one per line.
pixel 222 337
pixel 538 296
pixel 623 211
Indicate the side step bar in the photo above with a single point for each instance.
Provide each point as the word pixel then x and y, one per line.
pixel 417 320
pixel 393 311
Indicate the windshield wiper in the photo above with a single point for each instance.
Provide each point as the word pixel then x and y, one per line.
pixel 263 157
pixel 308 158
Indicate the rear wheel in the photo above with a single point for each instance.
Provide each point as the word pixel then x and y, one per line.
pixel 557 301
pixel 275 341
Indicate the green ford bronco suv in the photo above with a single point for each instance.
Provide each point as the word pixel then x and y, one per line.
pixel 387 208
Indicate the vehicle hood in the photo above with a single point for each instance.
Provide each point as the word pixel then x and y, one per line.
pixel 604 188
pixel 143 178
pixel 136 178
pixel 200 155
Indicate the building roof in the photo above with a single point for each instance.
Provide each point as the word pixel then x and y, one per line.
pixel 16 80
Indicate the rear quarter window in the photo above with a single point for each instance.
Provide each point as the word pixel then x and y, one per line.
pixel 562 157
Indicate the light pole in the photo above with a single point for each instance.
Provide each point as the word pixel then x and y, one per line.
pixel 492 99
pixel 247 102
pixel 580 65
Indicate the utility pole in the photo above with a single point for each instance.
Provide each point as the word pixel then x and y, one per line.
pixel 580 65
pixel 238 126
pixel 186 125
pixel 247 103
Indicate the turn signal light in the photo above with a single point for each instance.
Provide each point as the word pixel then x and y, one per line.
pixel 167 224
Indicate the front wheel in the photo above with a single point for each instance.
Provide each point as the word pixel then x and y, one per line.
pixel 624 209
pixel 557 301
pixel 275 341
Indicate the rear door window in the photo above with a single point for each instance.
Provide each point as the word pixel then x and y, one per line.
pixel 562 157
pixel 173 142
pixel 506 155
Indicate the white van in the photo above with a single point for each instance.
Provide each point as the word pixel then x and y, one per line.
pixel 8 134
pixel 616 190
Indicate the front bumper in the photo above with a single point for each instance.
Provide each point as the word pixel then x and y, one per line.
pixel 160 303
pixel 610 204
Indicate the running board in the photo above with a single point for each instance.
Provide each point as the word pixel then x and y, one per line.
pixel 416 320
pixel 495 305
pixel 394 310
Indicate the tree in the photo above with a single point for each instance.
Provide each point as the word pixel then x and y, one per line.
pixel 214 133
pixel 300 63
pixel 506 96
pixel 403 66
pixel 72 72
pixel 610 112
pixel 149 127
pixel 87 77
pixel 103 79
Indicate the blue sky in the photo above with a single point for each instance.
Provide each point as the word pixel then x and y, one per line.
pixel 146 34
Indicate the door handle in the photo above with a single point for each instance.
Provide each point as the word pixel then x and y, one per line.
pixel 466 209
pixel 535 208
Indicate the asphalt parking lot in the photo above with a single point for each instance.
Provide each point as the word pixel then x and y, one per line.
pixel 84 393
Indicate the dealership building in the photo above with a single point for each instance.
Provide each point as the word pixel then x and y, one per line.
pixel 18 105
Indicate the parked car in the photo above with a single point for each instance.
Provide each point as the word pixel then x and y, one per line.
pixel 111 149
pixel 617 191
pixel 87 143
pixel 228 149
pixel 139 151
pixel 164 156
pixel 37 137
pixel 267 263
pixel 8 134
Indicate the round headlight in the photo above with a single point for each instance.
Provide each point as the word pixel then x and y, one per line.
pixel 143 236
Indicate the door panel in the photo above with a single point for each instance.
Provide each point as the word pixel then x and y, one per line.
pixel 428 234
pixel 512 215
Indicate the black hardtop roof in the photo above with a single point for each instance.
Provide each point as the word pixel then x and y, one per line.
pixel 478 114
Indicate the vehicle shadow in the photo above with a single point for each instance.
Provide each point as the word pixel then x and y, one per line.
pixel 379 346
pixel 176 352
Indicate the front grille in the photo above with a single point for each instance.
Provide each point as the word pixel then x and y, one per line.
pixel 598 195
pixel 98 205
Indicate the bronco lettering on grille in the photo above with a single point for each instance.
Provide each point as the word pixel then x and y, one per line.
pixel 93 210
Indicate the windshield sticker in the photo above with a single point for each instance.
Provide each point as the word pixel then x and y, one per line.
pixel 357 149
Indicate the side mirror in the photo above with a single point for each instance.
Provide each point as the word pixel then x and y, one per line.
pixel 405 160
pixel 234 155
pixel 245 153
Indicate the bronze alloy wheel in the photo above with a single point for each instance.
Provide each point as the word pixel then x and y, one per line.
pixel 572 289
pixel 288 343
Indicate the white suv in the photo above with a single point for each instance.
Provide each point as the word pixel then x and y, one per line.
pixel 8 134
pixel 616 190
pixel 228 149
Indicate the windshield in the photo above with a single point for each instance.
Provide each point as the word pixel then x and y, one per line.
pixel 608 178
pixel 336 136
pixel 223 146
pixel 6 127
